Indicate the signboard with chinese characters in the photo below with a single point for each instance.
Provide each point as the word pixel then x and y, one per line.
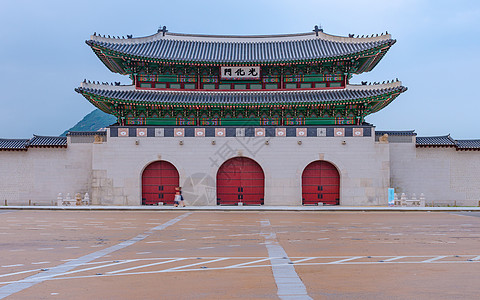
pixel 239 73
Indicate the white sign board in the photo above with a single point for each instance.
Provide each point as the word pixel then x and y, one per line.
pixel 239 73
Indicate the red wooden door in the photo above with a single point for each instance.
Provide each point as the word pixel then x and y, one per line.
pixel 320 183
pixel 159 180
pixel 240 179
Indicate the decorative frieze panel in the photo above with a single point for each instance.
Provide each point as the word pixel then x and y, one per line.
pixel 220 132
pixel 179 132
pixel 281 132
pixel 123 132
pixel 339 131
pixel 200 132
pixel 240 132
pixel 301 132
pixel 189 131
pixel 160 132
pixel 141 132
pixel 260 132
pixel 357 131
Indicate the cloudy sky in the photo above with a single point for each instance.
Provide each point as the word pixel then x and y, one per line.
pixel 43 55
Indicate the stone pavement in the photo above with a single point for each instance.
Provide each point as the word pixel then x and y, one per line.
pixel 180 254
pixel 245 208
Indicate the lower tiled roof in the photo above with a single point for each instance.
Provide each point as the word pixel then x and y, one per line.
pixel 468 144
pixel 447 141
pixel 48 141
pixel 444 140
pixel 14 144
pixel 36 141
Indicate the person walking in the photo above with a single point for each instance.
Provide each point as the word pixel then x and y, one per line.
pixel 177 199
pixel 182 203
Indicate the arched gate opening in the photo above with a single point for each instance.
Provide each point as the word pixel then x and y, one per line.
pixel 320 183
pixel 159 180
pixel 240 180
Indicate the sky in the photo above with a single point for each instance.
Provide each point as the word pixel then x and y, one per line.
pixel 43 55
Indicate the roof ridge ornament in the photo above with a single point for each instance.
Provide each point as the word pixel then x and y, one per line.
pixel 317 29
pixel 162 29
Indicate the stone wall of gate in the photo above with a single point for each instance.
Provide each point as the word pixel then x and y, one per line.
pixel 363 165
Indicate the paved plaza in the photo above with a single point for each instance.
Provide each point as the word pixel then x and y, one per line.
pixel 238 254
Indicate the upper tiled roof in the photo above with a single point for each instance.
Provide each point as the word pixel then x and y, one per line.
pixel 401 132
pixel 48 141
pixel 14 144
pixel 129 93
pixel 174 47
pixel 445 140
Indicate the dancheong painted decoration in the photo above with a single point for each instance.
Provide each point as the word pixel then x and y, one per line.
pixel 278 80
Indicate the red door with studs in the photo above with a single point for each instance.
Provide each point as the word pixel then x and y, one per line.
pixel 320 183
pixel 240 179
pixel 159 180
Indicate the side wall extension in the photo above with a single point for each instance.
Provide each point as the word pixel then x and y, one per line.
pixel 39 174
pixel 444 175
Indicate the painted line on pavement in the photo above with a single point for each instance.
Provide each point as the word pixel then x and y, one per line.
pixel 305 259
pixel 20 285
pixel 251 264
pixel 147 265
pixel 247 263
pixel 10 266
pixel 97 267
pixel 393 258
pixel 191 265
pixel 344 260
pixel 434 259
pixel 289 285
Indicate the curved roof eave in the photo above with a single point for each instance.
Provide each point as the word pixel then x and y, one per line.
pixel 350 95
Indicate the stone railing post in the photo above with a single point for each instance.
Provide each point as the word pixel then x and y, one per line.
pixel 86 199
pixel 403 199
pixel 422 200
pixel 78 199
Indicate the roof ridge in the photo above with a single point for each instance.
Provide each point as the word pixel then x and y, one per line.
pixel 435 136
pixel 48 136
pixel 5 139
pixel 241 38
